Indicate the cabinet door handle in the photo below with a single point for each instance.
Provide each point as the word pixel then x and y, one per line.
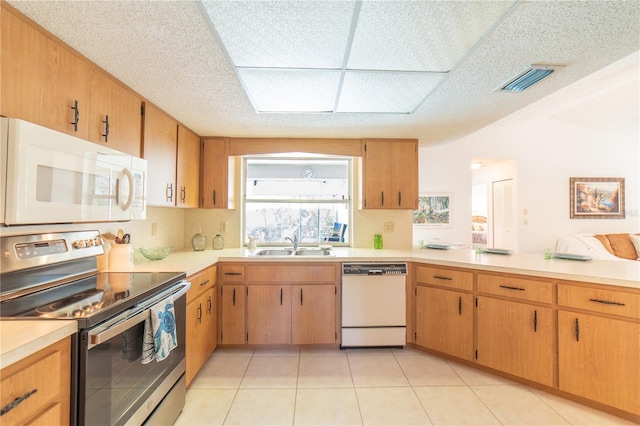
pixel 440 277
pixel 459 305
pixel 535 321
pixel 183 194
pixel 76 116
pixel 280 296
pixel 210 305
pixel 382 197
pixel 577 331
pixel 399 198
pixel 300 297
pixel 233 273
pixel 214 197
pixel 106 128
pixel 199 312
pixel 16 402
pixel 512 288
pixel 606 302
pixel 233 298
pixel 169 192
pixel 203 283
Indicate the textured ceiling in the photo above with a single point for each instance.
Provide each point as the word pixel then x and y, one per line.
pixel 166 51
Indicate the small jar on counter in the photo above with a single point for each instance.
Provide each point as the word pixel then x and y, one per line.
pixel 218 242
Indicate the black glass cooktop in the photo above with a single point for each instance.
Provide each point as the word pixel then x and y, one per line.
pixel 90 300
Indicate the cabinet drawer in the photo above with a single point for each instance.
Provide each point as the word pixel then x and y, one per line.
pixel 517 288
pixel 324 273
pixel 201 282
pixel 47 372
pixel 600 300
pixel 445 277
pixel 231 273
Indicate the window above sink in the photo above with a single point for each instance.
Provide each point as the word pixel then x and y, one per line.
pixel 303 196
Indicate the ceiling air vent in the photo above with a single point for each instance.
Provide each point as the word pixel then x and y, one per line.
pixel 527 78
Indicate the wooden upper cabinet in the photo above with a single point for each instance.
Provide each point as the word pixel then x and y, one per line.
pixel 188 168
pixel 216 174
pixel 390 174
pixel 42 79
pixel 160 133
pixel 115 118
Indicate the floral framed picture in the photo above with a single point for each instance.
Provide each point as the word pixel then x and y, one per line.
pixel 434 211
pixel 596 198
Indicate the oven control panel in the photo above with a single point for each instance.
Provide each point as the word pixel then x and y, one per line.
pixel 41 248
pixel 20 252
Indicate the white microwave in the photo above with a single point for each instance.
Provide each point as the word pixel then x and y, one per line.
pixel 50 177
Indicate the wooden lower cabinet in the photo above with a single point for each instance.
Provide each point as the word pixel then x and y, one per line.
pixel 232 318
pixel 517 338
pixel 48 372
pixel 314 314
pixel 444 321
pixel 268 314
pixel 291 314
pixel 202 320
pixel 598 359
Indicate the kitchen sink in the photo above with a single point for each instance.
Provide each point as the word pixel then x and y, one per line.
pixel 274 252
pixel 314 252
pixel 306 251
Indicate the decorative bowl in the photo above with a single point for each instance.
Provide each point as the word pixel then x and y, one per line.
pixel 156 253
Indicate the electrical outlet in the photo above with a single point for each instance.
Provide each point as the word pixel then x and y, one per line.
pixel 154 229
pixel 389 226
pixel 223 226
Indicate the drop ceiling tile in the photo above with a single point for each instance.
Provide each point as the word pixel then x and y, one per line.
pixel 420 35
pixel 291 90
pixel 385 92
pixel 283 34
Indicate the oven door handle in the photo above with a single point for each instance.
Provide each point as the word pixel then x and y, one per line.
pixel 114 330
pixel 103 334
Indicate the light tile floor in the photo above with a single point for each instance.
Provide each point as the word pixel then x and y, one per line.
pixel 366 386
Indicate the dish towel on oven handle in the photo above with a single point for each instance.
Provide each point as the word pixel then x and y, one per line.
pixel 159 332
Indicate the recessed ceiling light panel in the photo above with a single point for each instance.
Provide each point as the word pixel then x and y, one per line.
pixel 385 92
pixel 420 35
pixel 291 90
pixel 283 34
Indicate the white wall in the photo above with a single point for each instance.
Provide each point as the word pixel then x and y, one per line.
pixel 588 129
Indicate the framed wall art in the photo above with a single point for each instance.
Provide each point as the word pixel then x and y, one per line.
pixel 434 211
pixel 596 198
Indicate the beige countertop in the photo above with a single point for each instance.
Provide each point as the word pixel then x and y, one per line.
pixel 624 273
pixel 19 339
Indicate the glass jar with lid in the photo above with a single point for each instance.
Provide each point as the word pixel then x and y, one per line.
pixel 218 242
pixel 199 241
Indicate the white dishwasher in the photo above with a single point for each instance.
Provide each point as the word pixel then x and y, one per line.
pixel 374 307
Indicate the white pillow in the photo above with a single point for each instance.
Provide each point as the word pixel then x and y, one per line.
pixel 635 239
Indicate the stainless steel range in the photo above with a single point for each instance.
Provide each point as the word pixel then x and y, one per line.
pixel 54 276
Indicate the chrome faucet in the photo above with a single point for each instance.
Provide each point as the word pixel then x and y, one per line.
pixel 294 241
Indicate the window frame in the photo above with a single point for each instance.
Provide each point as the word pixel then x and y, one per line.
pixel 310 157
